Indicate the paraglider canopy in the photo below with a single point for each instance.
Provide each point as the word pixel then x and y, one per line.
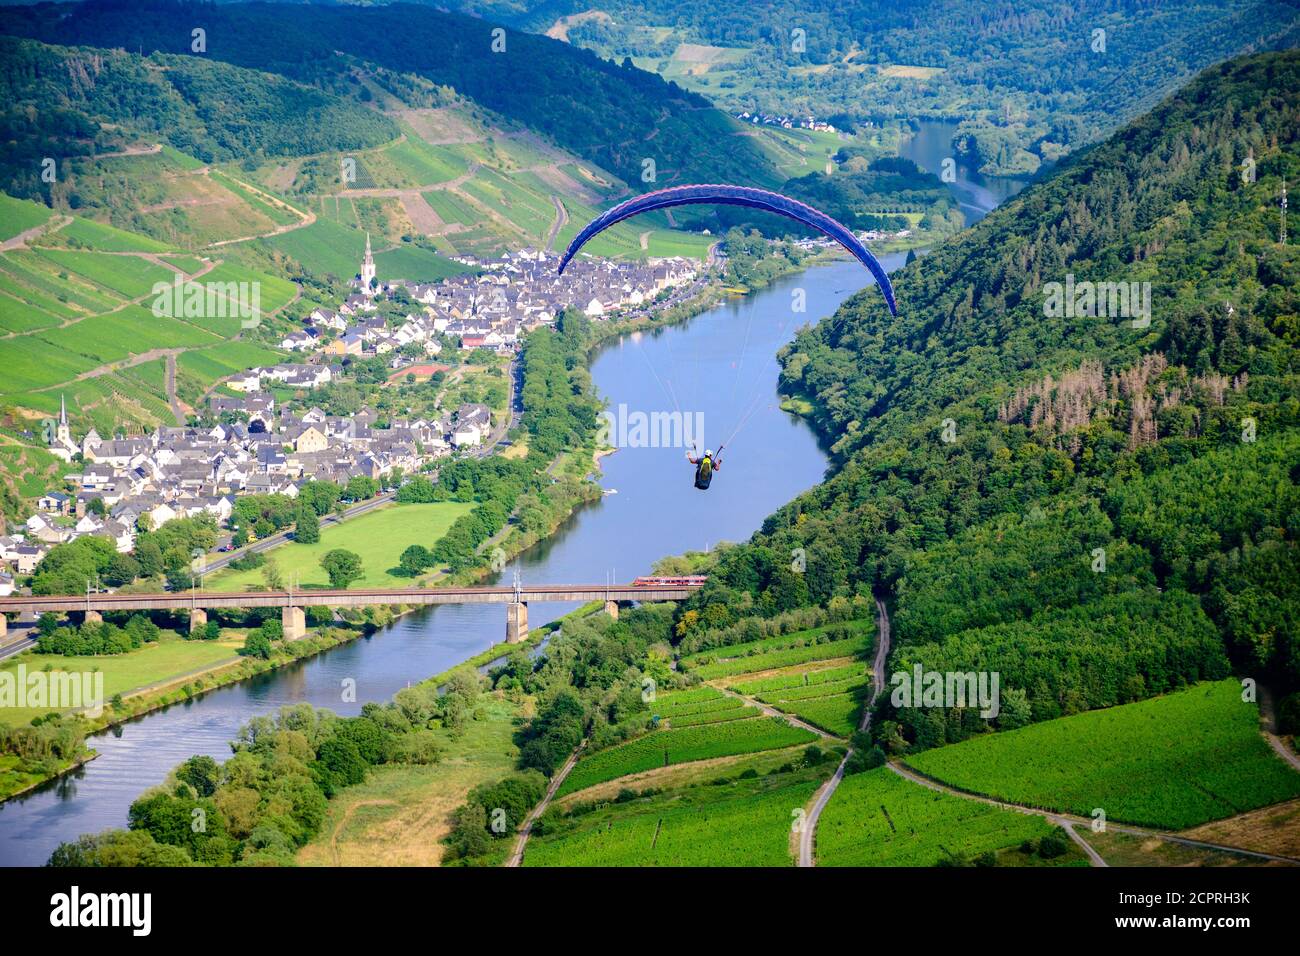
pixel 737 196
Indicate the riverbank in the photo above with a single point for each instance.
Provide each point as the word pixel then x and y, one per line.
pixel 176 689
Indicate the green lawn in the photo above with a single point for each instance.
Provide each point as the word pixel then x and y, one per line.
pixel 169 658
pixel 379 537
pixel 1173 762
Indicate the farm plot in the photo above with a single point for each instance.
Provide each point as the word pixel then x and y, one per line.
pixel 748 829
pixel 805 678
pixel 877 818
pixel 451 208
pixel 823 643
pixel 129 276
pixel 19 215
pixel 323 248
pixel 105 238
pixel 702 706
pixel 662 748
pixel 1171 762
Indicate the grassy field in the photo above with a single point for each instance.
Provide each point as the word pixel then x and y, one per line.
pixel 743 823
pixel 165 660
pixel 1172 762
pixel 399 815
pixel 19 215
pixel 661 748
pixel 379 536
pixel 877 818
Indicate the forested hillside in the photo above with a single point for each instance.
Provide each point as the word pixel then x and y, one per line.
pixel 608 113
pixel 62 103
pixel 1030 81
pixel 1071 489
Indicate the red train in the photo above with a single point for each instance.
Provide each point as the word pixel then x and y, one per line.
pixel 684 580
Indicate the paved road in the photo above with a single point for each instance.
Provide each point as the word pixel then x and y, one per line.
pixel 517 857
pixel 9 650
pixel 808 834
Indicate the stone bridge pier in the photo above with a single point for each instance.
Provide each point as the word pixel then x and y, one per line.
pixel 198 620
pixel 611 608
pixel 516 621
pixel 295 623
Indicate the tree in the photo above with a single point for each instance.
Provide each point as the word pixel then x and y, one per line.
pixel 342 566
pixel 307 529
pixel 272 576
pixel 256 645
pixel 95 506
pixel 122 569
pixel 415 559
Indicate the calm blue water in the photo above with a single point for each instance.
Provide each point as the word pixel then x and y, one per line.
pixel 721 365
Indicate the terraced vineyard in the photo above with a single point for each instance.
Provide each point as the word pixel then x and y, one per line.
pixel 702 706
pixel 877 818
pixel 1171 762
pixel 747 824
pixel 662 748
pixel 800 647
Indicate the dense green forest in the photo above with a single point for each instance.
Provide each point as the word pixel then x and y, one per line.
pixel 63 103
pixel 999 465
pixel 1030 80
pixel 607 112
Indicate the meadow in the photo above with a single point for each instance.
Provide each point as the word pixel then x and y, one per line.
pixel 662 748
pixel 169 658
pixel 1169 762
pixel 877 818
pixel 379 536
pixel 399 814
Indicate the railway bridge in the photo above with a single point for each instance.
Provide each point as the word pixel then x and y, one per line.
pixel 198 602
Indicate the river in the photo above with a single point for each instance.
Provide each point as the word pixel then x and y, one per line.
pixel 719 365
pixel 977 194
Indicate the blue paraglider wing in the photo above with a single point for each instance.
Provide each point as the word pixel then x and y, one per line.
pixel 737 196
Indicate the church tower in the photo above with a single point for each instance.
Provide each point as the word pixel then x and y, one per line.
pixel 367 268
pixel 63 435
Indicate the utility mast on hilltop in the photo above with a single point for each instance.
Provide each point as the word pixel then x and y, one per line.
pixel 1282 233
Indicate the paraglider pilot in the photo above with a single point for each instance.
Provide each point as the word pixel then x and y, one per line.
pixel 705 466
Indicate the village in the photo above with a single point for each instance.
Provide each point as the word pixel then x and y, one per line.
pixel 258 445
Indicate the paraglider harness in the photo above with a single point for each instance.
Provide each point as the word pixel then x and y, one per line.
pixel 704 469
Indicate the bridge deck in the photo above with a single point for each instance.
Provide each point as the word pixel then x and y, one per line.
pixel 17 604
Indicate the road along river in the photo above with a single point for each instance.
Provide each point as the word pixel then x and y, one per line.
pixel 718 367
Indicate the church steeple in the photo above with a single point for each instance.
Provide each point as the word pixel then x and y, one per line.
pixel 367 268
pixel 63 410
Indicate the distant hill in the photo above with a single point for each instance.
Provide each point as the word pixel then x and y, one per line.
pixel 1030 80
pixel 626 120
pixel 62 102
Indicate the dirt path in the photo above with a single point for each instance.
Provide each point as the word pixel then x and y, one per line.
pixel 769 711
pixel 306 218
pixel 808 835
pixel 177 412
pixel 1069 820
pixel 1269 729
pixel 516 858
pixel 561 217
pixel 20 240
